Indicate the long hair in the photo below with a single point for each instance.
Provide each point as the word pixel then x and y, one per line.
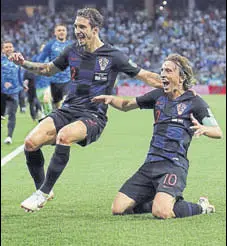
pixel 185 69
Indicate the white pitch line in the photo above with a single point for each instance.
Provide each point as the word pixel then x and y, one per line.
pixel 11 155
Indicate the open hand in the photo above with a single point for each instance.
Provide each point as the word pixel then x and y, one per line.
pixel 198 128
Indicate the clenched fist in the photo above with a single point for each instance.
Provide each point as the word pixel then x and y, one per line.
pixel 17 58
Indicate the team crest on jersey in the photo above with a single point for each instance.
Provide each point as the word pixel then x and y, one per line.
pixel 180 108
pixel 103 62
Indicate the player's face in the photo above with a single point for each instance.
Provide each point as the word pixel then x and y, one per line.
pixel 7 48
pixel 170 76
pixel 83 31
pixel 60 32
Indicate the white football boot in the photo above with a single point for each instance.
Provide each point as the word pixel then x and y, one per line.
pixel 50 196
pixel 207 208
pixel 35 202
pixel 8 140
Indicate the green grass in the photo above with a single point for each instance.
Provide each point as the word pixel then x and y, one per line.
pixel 80 214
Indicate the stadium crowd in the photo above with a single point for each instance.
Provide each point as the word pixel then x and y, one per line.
pixel 200 36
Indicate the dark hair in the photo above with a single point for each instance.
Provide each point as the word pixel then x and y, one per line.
pixel 185 69
pixel 93 15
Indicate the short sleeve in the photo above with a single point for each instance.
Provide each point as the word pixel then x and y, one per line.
pixel 61 61
pixel 148 100
pixel 201 109
pixel 124 64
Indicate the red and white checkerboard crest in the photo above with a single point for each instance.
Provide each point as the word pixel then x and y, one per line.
pixel 103 62
pixel 180 108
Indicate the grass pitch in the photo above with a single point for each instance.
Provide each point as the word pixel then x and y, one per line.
pixel 80 214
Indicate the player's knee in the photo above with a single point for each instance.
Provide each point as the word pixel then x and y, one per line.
pixel 161 214
pixel 63 138
pixel 117 209
pixel 121 209
pixel 160 211
pixel 29 144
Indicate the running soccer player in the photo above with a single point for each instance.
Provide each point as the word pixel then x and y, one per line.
pixel 11 85
pixel 34 104
pixel 94 67
pixel 59 81
pixel 42 85
pixel 179 113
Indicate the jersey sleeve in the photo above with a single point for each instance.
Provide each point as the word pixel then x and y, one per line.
pixel 62 61
pixel 124 64
pixel 202 112
pixel 148 100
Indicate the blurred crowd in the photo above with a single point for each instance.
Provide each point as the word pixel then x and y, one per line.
pixel 200 36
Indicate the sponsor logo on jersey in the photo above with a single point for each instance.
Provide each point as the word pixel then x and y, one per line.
pixel 180 108
pixel 101 76
pixel 103 62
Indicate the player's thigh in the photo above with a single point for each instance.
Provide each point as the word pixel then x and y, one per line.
pixel 122 204
pixel 163 204
pixel 44 133
pixel 72 133
pixel 169 181
pixel 140 186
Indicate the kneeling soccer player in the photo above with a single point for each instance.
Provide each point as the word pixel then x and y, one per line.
pixel 179 113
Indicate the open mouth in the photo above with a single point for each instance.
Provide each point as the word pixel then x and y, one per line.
pixel 165 84
pixel 80 36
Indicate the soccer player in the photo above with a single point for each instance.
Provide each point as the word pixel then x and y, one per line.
pixel 11 85
pixel 3 106
pixel 59 81
pixel 94 66
pixel 42 85
pixel 179 113
pixel 22 100
pixel 34 104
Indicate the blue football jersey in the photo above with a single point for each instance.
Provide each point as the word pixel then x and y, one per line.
pixel 41 81
pixel 52 50
pixel 10 72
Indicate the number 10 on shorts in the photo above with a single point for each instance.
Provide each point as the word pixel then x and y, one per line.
pixel 170 179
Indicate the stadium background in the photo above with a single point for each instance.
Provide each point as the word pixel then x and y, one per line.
pixel 194 28
pixel 80 215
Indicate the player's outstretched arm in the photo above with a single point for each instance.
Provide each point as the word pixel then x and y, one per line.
pixel 46 69
pixel 207 130
pixel 117 102
pixel 150 78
